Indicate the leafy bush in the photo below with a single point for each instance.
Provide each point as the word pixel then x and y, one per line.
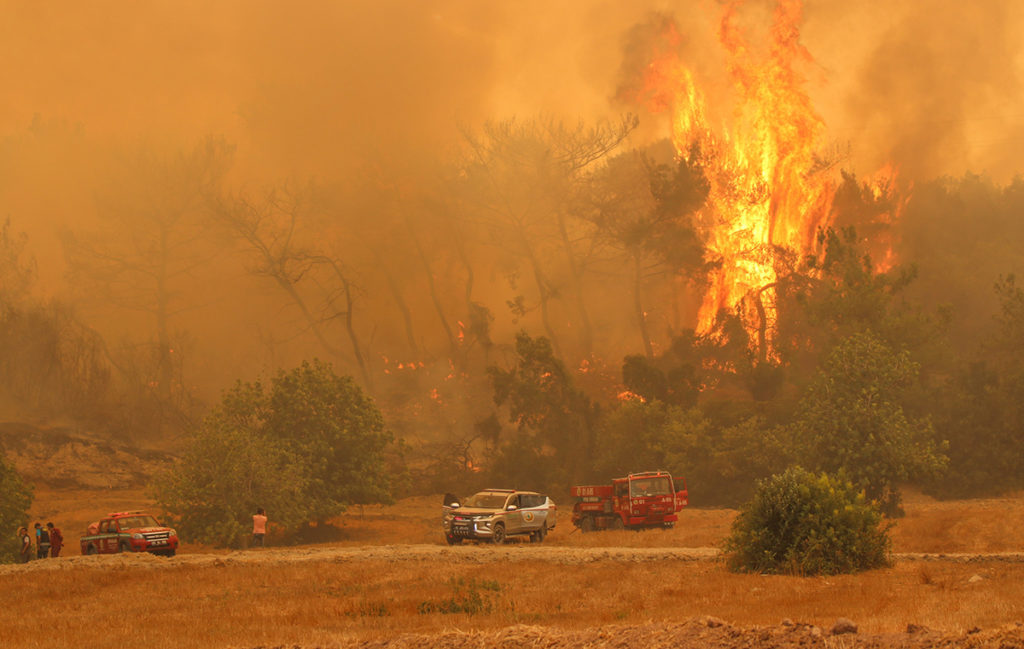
pixel 304 450
pixel 802 523
pixel 851 419
pixel 15 499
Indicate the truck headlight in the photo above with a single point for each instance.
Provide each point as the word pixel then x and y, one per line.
pixel 137 536
pixel 172 533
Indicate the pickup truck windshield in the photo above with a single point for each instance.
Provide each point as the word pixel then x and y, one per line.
pixel 129 522
pixel 484 500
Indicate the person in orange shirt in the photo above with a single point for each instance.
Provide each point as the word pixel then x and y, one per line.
pixel 259 527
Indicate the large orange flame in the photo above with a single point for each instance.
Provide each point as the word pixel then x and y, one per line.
pixel 769 190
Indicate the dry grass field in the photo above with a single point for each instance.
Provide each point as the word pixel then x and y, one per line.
pixel 408 589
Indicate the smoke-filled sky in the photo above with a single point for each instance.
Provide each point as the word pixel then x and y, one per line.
pixel 310 85
pixel 311 88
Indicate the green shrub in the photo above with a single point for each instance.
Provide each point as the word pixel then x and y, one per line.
pixel 15 500
pixel 806 524
pixel 466 598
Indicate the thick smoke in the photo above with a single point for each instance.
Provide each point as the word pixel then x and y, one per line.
pixel 939 88
pixel 330 89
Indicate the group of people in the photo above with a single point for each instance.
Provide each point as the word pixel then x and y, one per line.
pixel 48 542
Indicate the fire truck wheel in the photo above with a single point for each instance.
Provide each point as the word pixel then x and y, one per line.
pixel 617 524
pixel 498 535
pixel 91 549
pixel 587 524
pixel 125 547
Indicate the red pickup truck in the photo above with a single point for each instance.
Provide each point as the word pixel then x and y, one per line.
pixel 134 531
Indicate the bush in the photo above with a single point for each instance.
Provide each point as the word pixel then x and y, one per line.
pixel 15 499
pixel 806 524
pixel 304 450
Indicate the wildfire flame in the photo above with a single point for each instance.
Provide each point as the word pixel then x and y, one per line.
pixel 769 189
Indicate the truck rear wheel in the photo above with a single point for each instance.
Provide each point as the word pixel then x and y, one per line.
pixel 91 549
pixel 617 524
pixel 587 524
pixel 453 540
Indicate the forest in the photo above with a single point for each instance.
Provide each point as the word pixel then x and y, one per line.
pixel 535 296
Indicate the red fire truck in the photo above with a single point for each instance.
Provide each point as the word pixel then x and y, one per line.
pixel 638 501
pixel 134 531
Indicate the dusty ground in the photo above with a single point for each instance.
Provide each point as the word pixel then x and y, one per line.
pixel 704 633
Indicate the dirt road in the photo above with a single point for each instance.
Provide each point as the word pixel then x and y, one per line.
pixel 465 554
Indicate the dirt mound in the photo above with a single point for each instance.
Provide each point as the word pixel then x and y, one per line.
pixel 698 633
pixel 61 457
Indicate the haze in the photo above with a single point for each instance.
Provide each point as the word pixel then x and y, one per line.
pixel 373 99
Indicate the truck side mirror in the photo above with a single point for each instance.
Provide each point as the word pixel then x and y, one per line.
pixel 511 508
pixel 454 505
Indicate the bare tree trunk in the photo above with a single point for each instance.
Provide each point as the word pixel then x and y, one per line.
pixel 453 345
pixel 349 325
pixel 367 378
pixel 542 288
pixel 762 325
pixel 641 317
pixel 165 367
pixel 586 329
pixel 403 306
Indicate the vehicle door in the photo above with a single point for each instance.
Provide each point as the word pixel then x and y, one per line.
pixel 513 517
pixel 108 536
pixel 622 500
pixel 534 511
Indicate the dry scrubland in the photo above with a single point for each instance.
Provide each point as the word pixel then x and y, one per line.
pixel 387 578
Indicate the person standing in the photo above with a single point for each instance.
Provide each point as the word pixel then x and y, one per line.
pixel 26 545
pixel 42 541
pixel 56 540
pixel 259 527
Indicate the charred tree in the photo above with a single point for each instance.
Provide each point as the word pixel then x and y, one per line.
pixel 150 241
pixel 267 228
pixel 520 180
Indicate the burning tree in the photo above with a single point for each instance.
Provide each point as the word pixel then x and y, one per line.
pixel 771 189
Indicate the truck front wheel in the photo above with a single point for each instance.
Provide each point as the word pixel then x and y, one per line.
pixel 125 546
pixel 587 524
pixel 91 549
pixel 498 535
